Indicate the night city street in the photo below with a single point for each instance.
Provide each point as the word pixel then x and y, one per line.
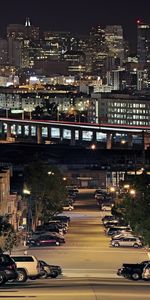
pixel 89 264
pixel 75 150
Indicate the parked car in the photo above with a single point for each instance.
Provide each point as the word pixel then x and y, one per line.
pixel 106 207
pixel 8 269
pixel 123 233
pixel 107 218
pixel 127 242
pixel 146 272
pixel 50 228
pixel 133 271
pixel 68 207
pixel 27 267
pixel 117 230
pixel 50 270
pixel 111 223
pixel 46 239
pixel 60 225
pixel 99 196
pixel 62 218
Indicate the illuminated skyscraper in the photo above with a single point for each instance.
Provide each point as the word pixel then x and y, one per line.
pixel 56 44
pixel 97 49
pixel 143 43
pixel 115 42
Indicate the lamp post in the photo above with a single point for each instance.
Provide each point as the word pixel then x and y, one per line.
pixel 132 193
pixel 29 210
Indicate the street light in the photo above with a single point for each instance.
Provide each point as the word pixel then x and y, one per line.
pixel 132 192
pixel 123 142
pixel 112 189
pixel 51 173
pixel 93 146
pixel 29 212
pixel 126 186
pixel 26 192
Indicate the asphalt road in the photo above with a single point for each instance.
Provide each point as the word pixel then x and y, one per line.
pixel 89 264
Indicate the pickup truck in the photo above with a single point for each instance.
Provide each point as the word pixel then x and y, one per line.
pixel 132 271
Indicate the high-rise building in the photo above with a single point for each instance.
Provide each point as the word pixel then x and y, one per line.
pixel 21 32
pixel 16 31
pixel 14 52
pixel 56 44
pixel 97 49
pixel 76 62
pixel 115 42
pixel 22 40
pixel 143 43
pixel 3 52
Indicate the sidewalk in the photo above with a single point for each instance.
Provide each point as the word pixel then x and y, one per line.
pixel 21 248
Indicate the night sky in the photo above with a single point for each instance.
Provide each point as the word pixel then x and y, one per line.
pixel 76 16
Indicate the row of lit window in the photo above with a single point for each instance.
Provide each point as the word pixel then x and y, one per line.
pixel 130 111
pixel 131 105
pixel 128 123
pixel 138 117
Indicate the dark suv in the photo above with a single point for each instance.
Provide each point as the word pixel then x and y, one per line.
pixel 8 270
pixel 133 271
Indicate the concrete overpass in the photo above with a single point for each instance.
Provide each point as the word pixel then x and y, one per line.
pixel 72 132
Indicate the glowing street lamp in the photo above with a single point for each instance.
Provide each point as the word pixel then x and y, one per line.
pixel 126 186
pixel 26 192
pixel 93 146
pixel 29 209
pixel 123 142
pixel 132 192
pixel 112 189
pixel 50 173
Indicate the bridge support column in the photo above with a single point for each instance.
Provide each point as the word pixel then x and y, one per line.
pixel 129 139
pixel 39 134
pixel 8 132
pixel 73 141
pixel 94 137
pixel 22 130
pixel 61 134
pixel 29 131
pixel 49 132
pixel 109 141
pixel 80 136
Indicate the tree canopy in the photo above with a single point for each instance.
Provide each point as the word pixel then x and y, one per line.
pixel 47 191
pixel 136 209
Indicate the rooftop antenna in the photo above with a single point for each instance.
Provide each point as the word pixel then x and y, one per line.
pixel 27 23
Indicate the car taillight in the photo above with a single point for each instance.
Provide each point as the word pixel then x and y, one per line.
pixel 12 267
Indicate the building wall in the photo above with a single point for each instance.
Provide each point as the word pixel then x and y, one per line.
pixel 123 110
pixel 4 190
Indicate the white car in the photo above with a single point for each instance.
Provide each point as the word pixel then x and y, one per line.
pixel 123 234
pixel 127 242
pixel 106 207
pixel 68 207
pixel 27 267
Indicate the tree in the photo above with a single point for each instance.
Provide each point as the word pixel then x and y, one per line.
pixel 48 192
pixel 136 209
pixel 7 235
pixel 37 113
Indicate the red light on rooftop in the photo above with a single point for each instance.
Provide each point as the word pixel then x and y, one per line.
pixel 139 22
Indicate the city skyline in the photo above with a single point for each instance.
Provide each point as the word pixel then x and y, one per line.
pixel 77 18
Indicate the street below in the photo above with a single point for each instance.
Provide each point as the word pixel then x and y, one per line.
pixel 88 262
